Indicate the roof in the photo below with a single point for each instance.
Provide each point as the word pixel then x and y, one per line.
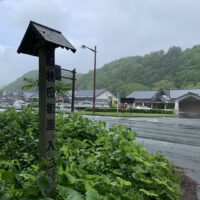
pixel 188 95
pixel 88 93
pixel 30 94
pixel 37 35
pixel 167 94
pixel 175 93
pixel 142 94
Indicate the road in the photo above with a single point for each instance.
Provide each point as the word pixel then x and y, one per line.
pixel 176 138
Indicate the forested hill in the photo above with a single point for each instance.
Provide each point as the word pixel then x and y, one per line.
pixel 172 69
pixel 16 85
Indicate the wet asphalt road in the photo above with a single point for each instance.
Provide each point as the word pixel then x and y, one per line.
pixel 176 138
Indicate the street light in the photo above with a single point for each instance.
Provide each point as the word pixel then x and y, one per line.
pixel 94 80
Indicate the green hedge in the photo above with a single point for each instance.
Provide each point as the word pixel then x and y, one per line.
pixel 102 109
pixel 157 111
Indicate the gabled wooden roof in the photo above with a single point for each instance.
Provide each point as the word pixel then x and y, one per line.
pixel 38 35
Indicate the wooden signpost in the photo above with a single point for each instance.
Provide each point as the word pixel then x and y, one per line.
pixel 42 41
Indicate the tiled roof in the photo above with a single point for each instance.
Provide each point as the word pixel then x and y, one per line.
pixel 37 35
pixel 189 94
pixel 53 36
pixel 142 94
pixel 28 94
pixel 88 93
pixel 175 93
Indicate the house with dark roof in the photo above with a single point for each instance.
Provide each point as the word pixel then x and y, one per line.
pixel 143 98
pixel 84 98
pixel 185 101
pixel 23 96
pixel 30 96
pixel 11 97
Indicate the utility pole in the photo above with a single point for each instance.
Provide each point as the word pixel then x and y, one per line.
pixel 94 76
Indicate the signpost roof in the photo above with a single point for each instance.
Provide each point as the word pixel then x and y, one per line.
pixel 38 35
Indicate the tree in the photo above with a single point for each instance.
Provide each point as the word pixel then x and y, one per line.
pixel 31 84
pixel 60 87
pixel 164 84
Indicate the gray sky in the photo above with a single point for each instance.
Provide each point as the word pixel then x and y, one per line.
pixel 119 28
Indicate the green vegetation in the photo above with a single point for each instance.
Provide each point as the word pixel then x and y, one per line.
pixel 127 114
pixel 18 84
pixel 29 81
pixel 60 87
pixel 131 110
pixel 172 69
pixel 93 163
pixel 31 84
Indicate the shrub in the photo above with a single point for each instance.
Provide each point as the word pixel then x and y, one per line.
pixel 158 111
pixel 92 162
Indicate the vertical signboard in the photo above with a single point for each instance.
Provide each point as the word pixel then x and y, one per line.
pixel 50 111
pixel 47 114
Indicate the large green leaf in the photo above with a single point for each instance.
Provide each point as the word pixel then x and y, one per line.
pixel 92 194
pixel 123 182
pixel 68 193
pixel 149 193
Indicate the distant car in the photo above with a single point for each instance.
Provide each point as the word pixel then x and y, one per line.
pixel 142 107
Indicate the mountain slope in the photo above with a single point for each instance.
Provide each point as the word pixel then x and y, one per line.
pixel 172 69
pixel 16 85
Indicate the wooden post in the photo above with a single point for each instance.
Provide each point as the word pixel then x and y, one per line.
pixel 94 84
pixel 41 41
pixel 47 114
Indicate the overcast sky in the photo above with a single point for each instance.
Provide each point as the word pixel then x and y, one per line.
pixel 119 28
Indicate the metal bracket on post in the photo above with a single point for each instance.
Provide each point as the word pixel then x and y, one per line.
pixel 73 78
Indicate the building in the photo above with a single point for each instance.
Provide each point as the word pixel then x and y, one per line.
pixel 15 98
pixel 84 98
pixel 30 96
pixel 183 101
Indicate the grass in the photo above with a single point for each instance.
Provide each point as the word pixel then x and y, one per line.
pixel 127 114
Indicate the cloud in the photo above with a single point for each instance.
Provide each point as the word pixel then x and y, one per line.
pixel 12 65
pixel 2 49
pixel 118 28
